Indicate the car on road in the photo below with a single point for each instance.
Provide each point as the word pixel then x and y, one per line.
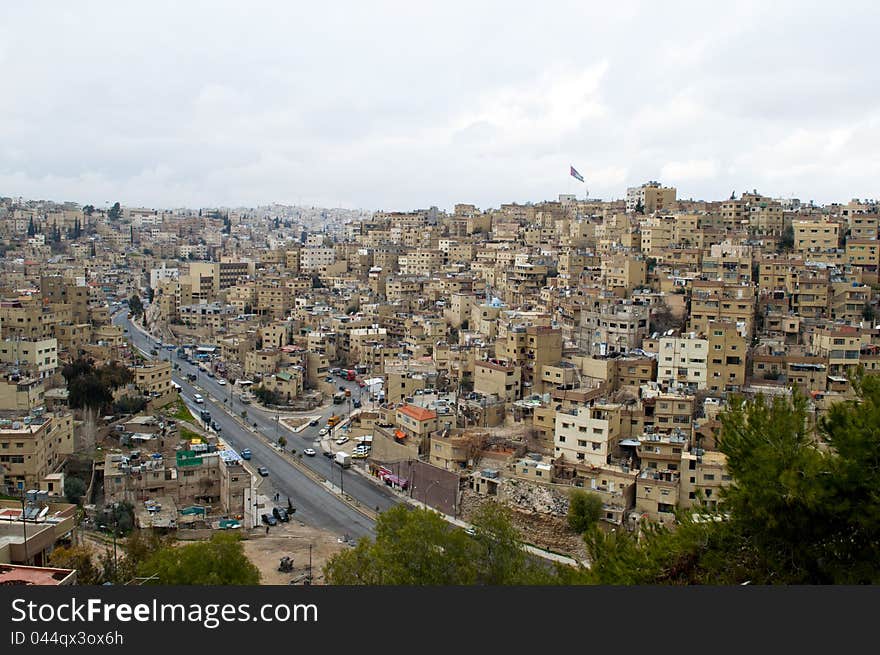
pixel 310 452
pixel 216 426
pixel 281 514
pixel 342 388
pixel 221 382
pixel 198 398
pixel 263 471
pixel 314 422
pixel 361 384
pixel 246 453
pixel 154 352
pixel 191 377
pixel 323 432
pixel 327 454
pixel 341 440
pixel 360 455
pixel 268 519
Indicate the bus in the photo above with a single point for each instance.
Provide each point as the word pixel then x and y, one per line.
pixel 333 420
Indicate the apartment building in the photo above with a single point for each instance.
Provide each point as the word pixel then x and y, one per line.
pixel 38 356
pixel 658 485
pixel 530 348
pixel 33 447
pixel 841 346
pixel 496 378
pixel 651 196
pixel 623 273
pixel 587 435
pixel 726 366
pixel 613 326
pixel 683 360
pixel 153 379
pixel 816 236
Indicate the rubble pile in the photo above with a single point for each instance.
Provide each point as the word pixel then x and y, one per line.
pixel 532 497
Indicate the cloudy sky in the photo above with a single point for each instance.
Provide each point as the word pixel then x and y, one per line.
pixel 397 105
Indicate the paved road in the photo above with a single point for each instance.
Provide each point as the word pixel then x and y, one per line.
pixel 315 504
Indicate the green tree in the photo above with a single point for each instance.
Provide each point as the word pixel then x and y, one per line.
pixel 115 375
pixel 412 547
pixel 640 208
pixel 584 511
pixel 76 368
pixel 88 391
pixel 135 305
pixel 786 241
pixel 115 212
pixel 502 560
pixel 74 488
pixel 418 547
pixel 220 561
pixel 80 559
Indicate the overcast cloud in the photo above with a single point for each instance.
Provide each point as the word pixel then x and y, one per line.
pixel 394 105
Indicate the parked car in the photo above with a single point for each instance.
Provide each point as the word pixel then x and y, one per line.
pixel 263 471
pixel 268 519
pixel 328 379
pixel 310 452
pixel 221 382
pixel 281 514
pixel 341 440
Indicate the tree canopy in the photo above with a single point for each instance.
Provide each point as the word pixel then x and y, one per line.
pixel 135 305
pixel 418 547
pixel 220 561
pixel 93 387
pixel 584 511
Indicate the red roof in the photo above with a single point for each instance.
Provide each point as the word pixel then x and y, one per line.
pixel 418 413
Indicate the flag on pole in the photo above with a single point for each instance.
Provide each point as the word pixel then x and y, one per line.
pixel 576 175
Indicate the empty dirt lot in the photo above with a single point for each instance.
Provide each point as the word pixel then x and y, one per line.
pixel 293 540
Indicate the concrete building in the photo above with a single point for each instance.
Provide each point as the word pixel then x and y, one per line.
pixel 32 448
pixel 587 435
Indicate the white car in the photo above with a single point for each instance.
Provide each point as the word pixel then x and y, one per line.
pixel 221 382
pixel 198 398
pixel 341 440
pixel 310 452
pixel 323 432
